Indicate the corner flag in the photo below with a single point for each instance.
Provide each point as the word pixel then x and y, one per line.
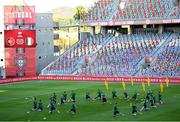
pixel 161 87
pixel 167 82
pixel 132 82
pixel 143 87
pixel 106 84
pixel 124 86
pixel 148 81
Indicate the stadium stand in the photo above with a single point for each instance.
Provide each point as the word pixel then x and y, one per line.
pixel 67 62
pixel 117 10
pixel 100 11
pixel 120 54
pixel 167 62
pixel 175 12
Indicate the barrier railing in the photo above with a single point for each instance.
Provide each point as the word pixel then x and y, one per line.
pixel 94 79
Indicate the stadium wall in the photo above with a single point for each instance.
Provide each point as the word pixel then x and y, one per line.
pixel 94 79
pixel 44 38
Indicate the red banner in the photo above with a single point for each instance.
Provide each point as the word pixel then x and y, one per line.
pixel 19 15
pixel 20 62
pixel 19 38
pixel 94 79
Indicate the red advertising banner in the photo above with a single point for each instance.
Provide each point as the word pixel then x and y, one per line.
pixel 94 79
pixel 19 15
pixel 20 62
pixel 19 38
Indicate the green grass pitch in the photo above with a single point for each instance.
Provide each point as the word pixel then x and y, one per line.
pixel 14 105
